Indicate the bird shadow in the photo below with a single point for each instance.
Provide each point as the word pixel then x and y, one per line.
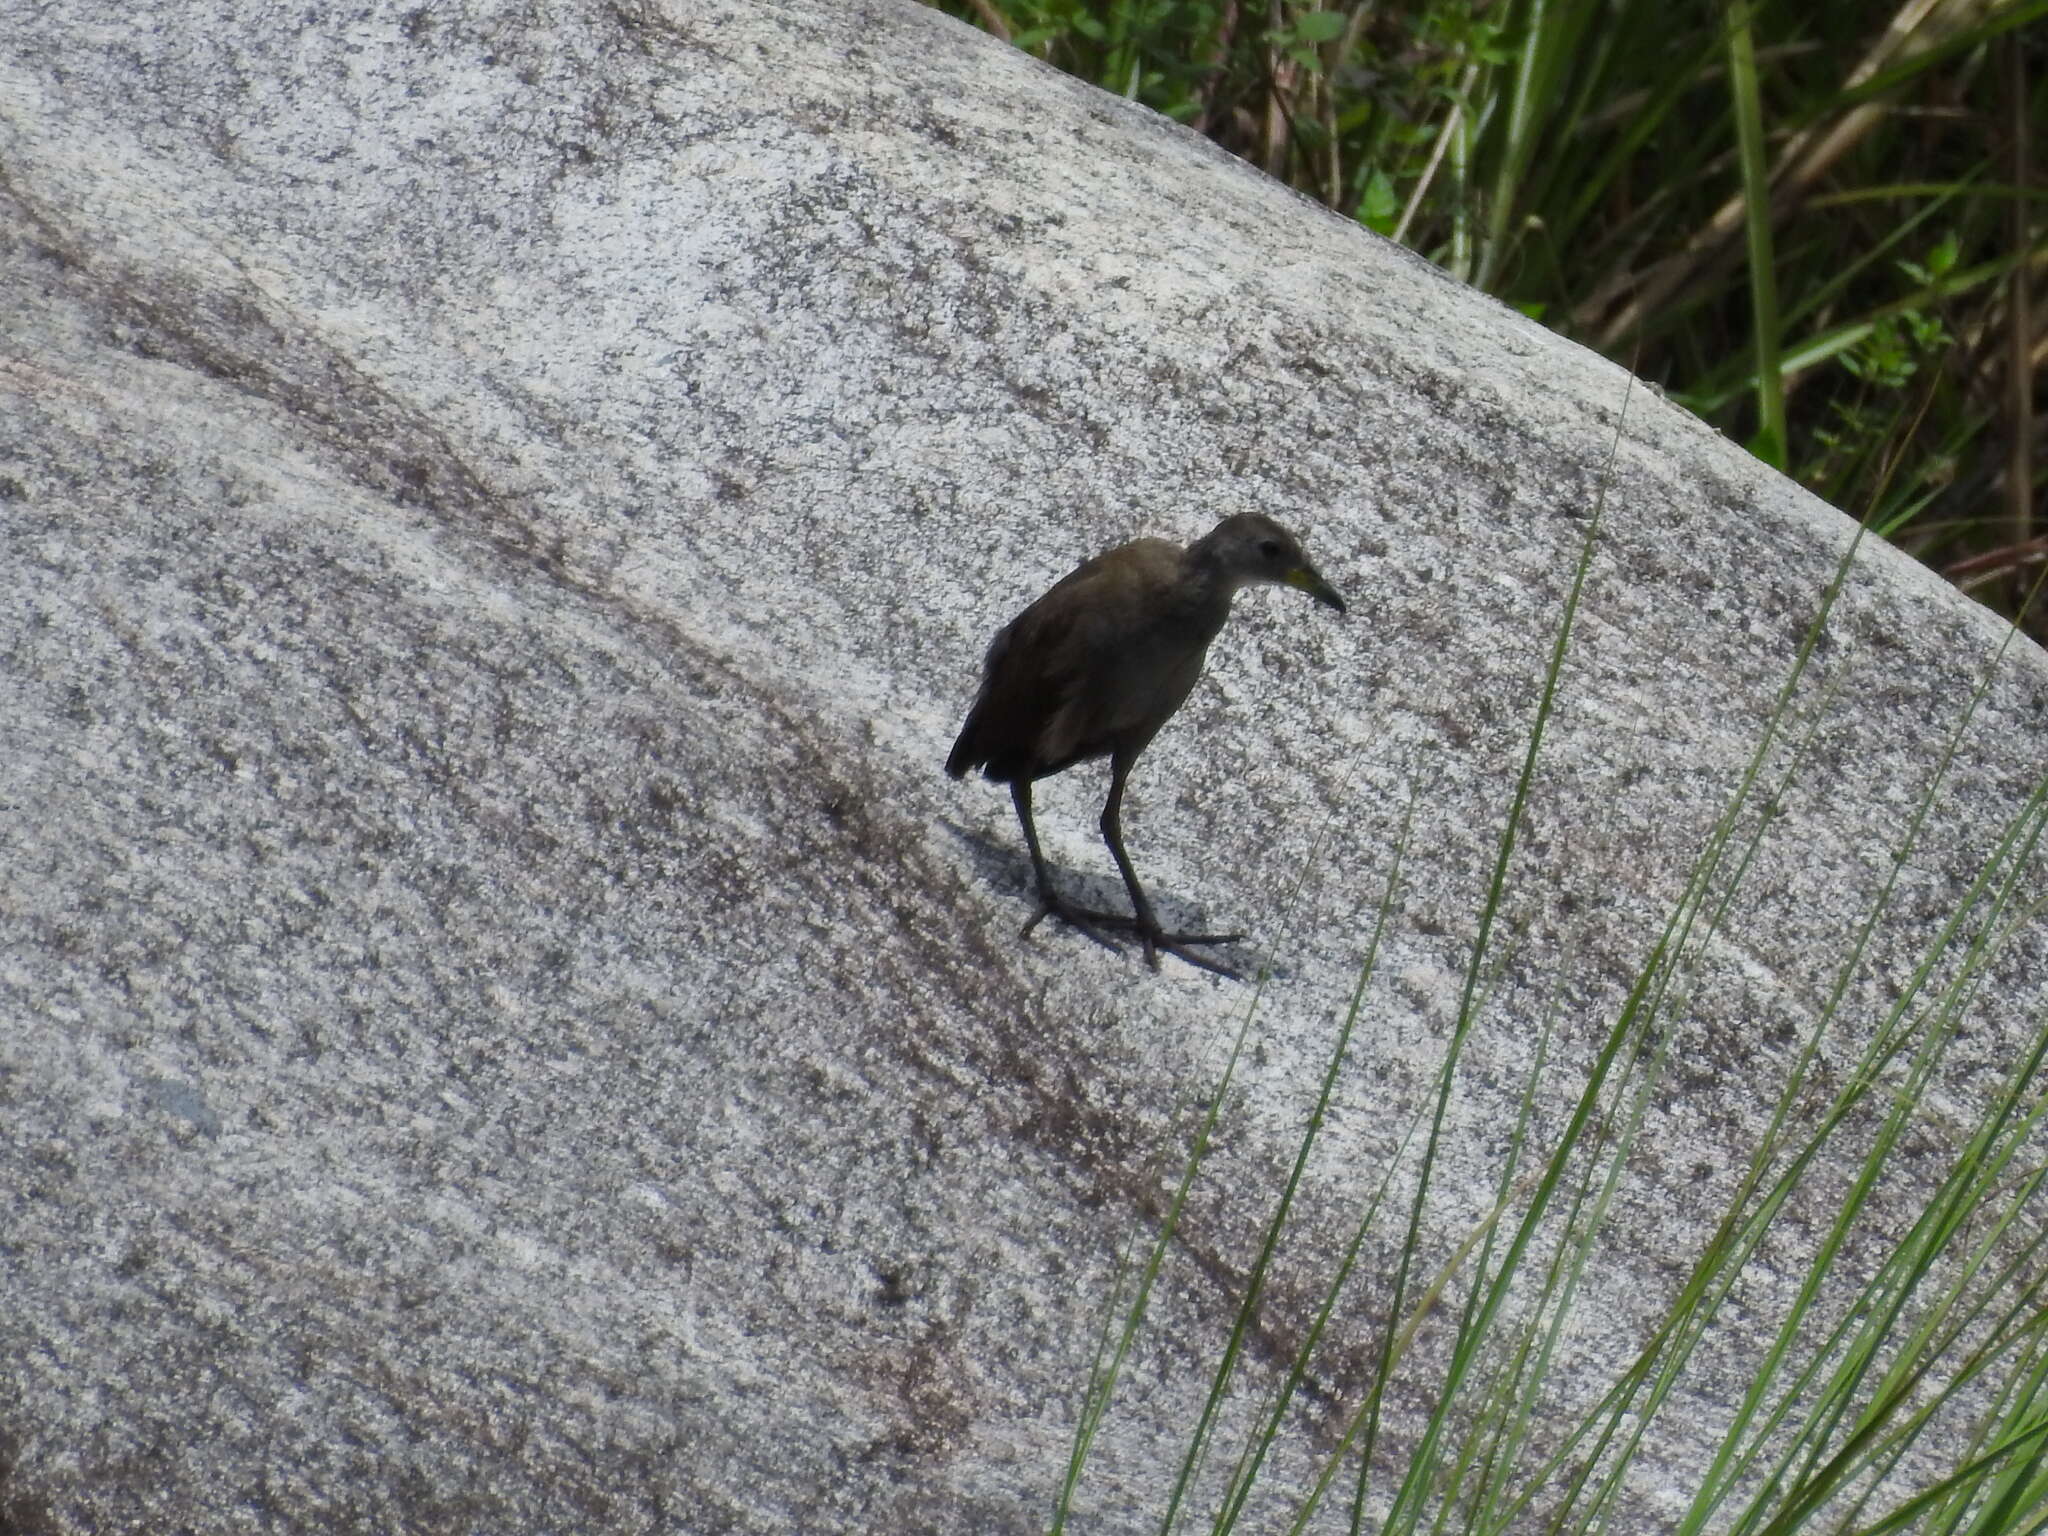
pixel 1006 865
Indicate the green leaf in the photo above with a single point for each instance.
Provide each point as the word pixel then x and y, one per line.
pixel 1943 256
pixel 1319 26
pixel 1379 208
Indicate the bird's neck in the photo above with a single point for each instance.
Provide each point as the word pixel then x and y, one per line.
pixel 1206 593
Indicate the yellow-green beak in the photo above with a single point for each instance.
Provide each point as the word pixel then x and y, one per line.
pixel 1305 577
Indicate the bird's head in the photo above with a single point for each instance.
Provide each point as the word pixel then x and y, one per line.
pixel 1249 548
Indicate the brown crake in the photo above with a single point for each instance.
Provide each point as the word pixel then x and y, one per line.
pixel 1095 667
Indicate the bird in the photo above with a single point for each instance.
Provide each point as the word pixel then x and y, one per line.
pixel 1094 668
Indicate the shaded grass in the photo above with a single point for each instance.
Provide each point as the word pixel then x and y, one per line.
pixel 1794 217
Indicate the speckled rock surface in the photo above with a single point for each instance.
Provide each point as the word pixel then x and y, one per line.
pixel 504 1025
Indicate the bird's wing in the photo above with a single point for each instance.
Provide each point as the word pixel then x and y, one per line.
pixel 1056 683
pixel 1065 668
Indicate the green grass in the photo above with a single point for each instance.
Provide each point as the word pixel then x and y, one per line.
pixel 1801 221
pixel 1932 1343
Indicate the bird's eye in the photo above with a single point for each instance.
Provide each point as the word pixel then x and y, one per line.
pixel 1270 549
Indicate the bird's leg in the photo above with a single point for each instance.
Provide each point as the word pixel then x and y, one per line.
pixel 1147 924
pixel 1050 902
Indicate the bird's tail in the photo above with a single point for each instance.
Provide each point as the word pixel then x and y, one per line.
pixel 967 753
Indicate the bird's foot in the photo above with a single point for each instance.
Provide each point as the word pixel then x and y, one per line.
pixel 1100 925
pixel 1082 919
pixel 1176 944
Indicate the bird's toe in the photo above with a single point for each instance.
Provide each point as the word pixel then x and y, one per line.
pixel 1179 946
pixel 1085 920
